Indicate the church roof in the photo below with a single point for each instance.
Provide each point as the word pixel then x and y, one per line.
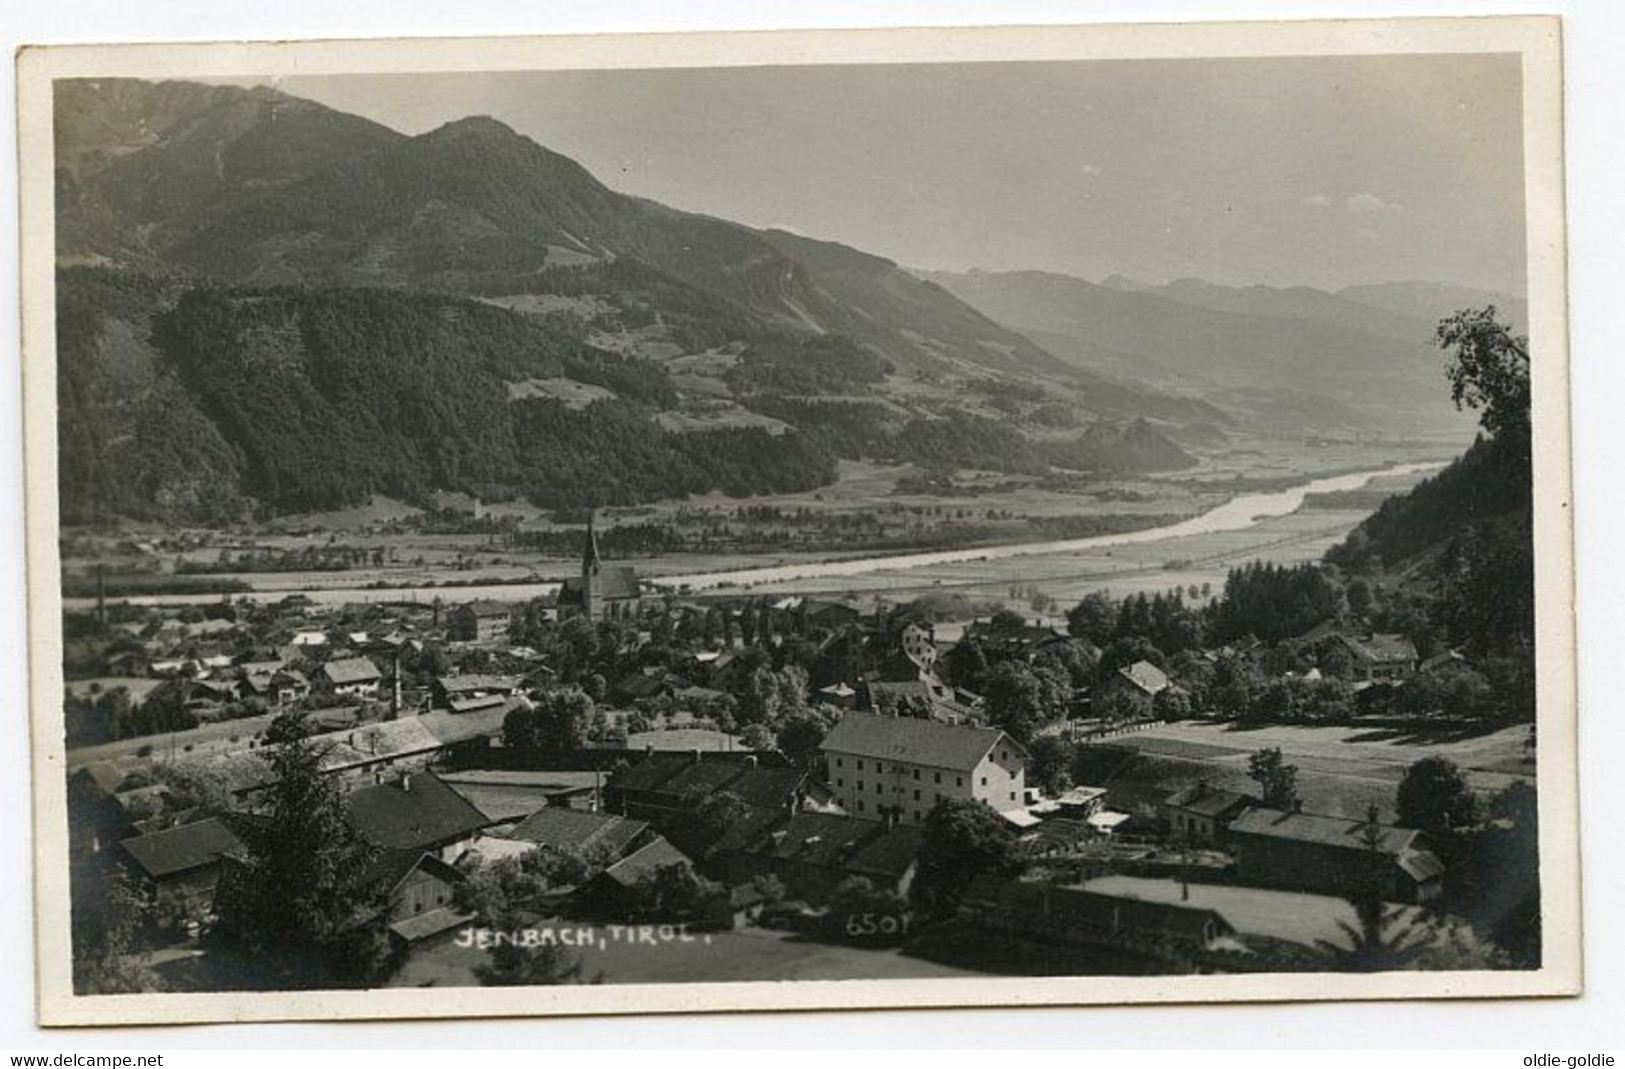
pixel 614 583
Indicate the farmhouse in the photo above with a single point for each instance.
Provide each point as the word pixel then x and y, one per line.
pixel 1069 915
pixel 1380 657
pixel 352 677
pixel 472 692
pixel 1202 814
pixel 181 866
pixel 1138 684
pixel 414 811
pixel 899 767
pixel 479 621
pixel 1306 852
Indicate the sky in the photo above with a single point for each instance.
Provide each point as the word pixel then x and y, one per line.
pixel 1320 171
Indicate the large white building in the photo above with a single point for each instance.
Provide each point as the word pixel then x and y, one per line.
pixel 884 767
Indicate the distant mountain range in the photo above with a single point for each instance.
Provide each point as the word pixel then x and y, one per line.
pixel 1290 357
pixel 260 296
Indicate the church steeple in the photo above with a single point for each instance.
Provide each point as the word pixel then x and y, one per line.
pixel 591 565
pixel 590 562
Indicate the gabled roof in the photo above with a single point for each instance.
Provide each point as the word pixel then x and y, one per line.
pixel 1146 676
pixel 390 867
pixel 646 861
pixel 766 786
pixel 615 582
pixel 351 670
pixel 828 840
pixel 1326 831
pixel 890 854
pixel 1382 648
pixel 562 828
pixel 1208 801
pixel 177 850
pixel 413 811
pixel 473 682
pixel 922 742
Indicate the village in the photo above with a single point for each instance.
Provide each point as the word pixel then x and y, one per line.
pixel 825 788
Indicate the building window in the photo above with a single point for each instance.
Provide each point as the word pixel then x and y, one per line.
pixel 916 773
pixel 880 788
pixel 837 762
pixel 984 781
pixel 858 785
pixel 1012 796
pixel 916 796
pixel 916 816
pixel 938 776
pixel 860 805
pixel 860 764
pixel 1004 755
pixel 959 781
pixel 839 782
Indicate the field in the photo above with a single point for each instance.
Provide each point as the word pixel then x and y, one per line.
pixel 720 957
pixel 1341 770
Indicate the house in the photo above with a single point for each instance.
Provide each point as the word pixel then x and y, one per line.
pixel 1137 685
pixel 414 811
pixel 1068 915
pixel 350 677
pixel 1296 851
pixel 600 592
pixel 1203 814
pixel 883 767
pixel 1381 657
pixel 420 889
pixel 480 621
pixel 179 867
pixel 616 892
pixel 572 829
pixel 472 692
pixel 668 785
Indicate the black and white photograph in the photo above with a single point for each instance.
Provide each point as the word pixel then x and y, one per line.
pixel 736 522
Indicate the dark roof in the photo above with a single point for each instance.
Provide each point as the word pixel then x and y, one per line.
pixel 750 832
pixel 1093 912
pixel 486 608
pixel 828 840
pixel 477 682
pixel 1208 801
pixel 562 828
pixel 922 742
pixel 390 867
pixel 889 854
pixel 615 582
pixel 1327 831
pixel 1382 648
pixel 702 777
pixel 645 861
pixel 351 670
pixel 190 846
pixel 414 811
pixel 767 787
pixel 639 685
pixel 649 773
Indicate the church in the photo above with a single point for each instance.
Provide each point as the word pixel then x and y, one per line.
pixel 600 593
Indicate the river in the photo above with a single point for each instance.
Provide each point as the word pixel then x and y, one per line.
pixel 1237 514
